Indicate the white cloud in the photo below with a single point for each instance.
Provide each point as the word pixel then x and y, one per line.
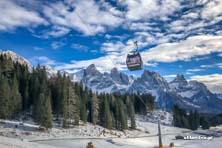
pixel 83 16
pixel 80 47
pixel 43 60
pixel 170 77
pixel 141 26
pixel 212 9
pixel 195 70
pixel 192 71
pixel 103 64
pixel 184 50
pixel 113 47
pixel 213 81
pixel 56 31
pixel 151 64
pixel 216 65
pixel 38 49
pixel 191 15
pixel 116 37
pixel 53 32
pixel 207 66
pixel 57 45
pixel 13 15
pixel 187 25
pixel 145 9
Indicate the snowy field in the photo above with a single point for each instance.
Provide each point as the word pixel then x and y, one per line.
pixel 13 134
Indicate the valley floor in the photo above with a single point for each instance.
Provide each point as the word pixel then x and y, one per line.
pixel 27 135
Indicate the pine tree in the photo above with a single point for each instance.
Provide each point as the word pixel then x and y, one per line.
pixel 123 116
pixel 176 116
pixel 64 100
pixel 107 114
pixel 45 111
pixel 196 120
pixel 131 112
pixel 59 94
pixel 191 120
pixel 26 99
pixel 34 93
pixel 204 123
pixel 42 112
pixel 83 102
pixel 185 122
pixel 4 97
pixel 72 114
pixel 117 114
pixel 15 98
pixel 95 109
pixel 83 111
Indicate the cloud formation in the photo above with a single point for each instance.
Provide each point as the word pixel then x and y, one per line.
pixel 13 16
pixel 184 50
pixel 72 14
pixel 140 9
pixel 169 52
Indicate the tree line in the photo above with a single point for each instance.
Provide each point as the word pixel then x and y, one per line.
pixel 190 120
pixel 57 98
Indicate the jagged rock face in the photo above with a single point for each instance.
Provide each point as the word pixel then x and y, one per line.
pixel 91 70
pixel 102 82
pixel 119 77
pixel 197 94
pixel 190 95
pixel 154 80
pixel 179 82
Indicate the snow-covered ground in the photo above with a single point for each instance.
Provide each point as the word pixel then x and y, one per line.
pixel 13 134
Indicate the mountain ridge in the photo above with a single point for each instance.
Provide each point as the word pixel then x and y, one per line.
pixel 188 94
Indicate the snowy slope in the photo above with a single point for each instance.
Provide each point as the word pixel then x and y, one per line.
pixel 78 137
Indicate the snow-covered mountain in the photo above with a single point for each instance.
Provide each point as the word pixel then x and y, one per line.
pixel 187 94
pixel 16 58
pixel 196 93
pixel 103 82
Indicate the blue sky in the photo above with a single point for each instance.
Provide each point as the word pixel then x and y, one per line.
pixel 174 36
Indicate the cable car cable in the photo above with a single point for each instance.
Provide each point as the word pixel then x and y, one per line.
pixel 135 42
pixel 87 27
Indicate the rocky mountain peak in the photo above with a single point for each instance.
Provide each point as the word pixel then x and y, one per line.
pixel 179 77
pixel 114 71
pixel 91 69
pixel 179 82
